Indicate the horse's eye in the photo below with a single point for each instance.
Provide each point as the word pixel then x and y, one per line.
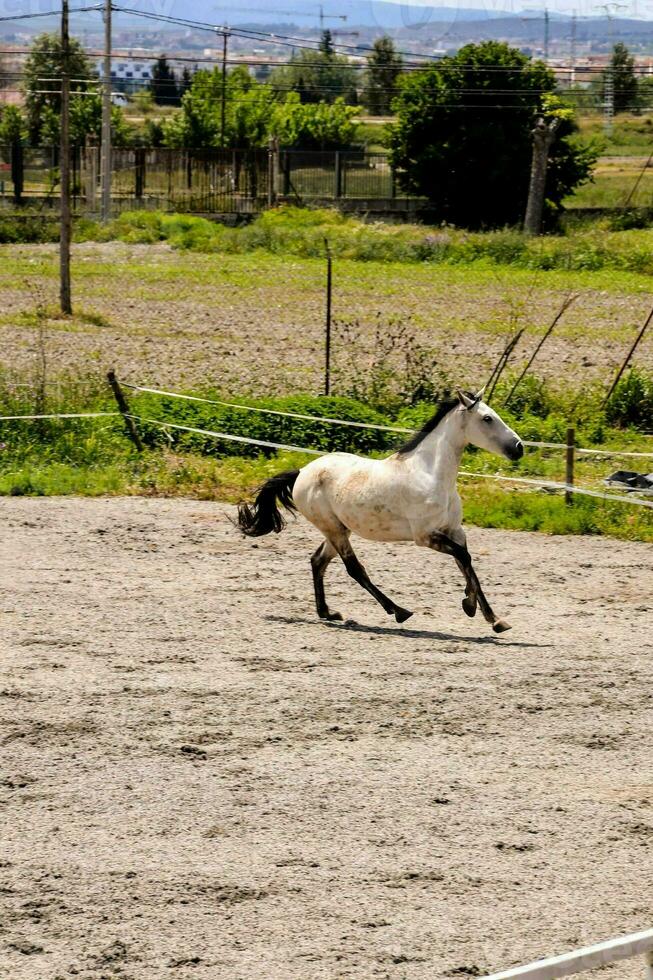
pixel 487 419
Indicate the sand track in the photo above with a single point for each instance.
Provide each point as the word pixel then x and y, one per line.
pixel 201 781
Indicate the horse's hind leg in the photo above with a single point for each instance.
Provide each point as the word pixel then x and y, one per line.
pixel 358 573
pixel 319 561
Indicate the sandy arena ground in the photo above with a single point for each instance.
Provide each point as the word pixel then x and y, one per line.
pixel 199 780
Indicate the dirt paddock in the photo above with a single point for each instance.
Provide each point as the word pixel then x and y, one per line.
pixel 199 780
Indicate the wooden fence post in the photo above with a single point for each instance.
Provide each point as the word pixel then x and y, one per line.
pixel 327 343
pixel 569 477
pixel 17 170
pixel 123 407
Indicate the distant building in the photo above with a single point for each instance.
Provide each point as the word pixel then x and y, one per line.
pixel 128 73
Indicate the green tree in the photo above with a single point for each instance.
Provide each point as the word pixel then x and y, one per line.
pixel 163 84
pixel 186 81
pixel 42 85
pixel 463 137
pixel 85 120
pixel 317 77
pixel 13 125
pixel 199 124
pixel 313 126
pixel 626 83
pixel 326 46
pixel 384 67
pixel 253 113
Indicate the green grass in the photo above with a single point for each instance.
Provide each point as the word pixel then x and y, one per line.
pixel 616 185
pixel 631 135
pixel 582 247
pixel 301 232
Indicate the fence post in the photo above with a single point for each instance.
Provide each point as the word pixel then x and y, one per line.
pixel 286 173
pixel 139 172
pixel 17 170
pixel 273 170
pixel 123 407
pixel 338 175
pixel 91 169
pixel 77 174
pixel 569 476
pixel 327 345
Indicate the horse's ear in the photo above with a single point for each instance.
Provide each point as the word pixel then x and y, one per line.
pixel 479 394
pixel 466 398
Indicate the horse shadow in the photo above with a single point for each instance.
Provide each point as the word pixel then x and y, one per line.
pixel 406 633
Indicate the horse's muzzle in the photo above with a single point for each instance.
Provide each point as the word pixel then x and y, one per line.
pixel 516 450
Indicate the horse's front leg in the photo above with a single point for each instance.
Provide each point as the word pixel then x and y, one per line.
pixel 470 601
pixel 448 546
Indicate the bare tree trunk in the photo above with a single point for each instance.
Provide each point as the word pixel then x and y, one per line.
pixel 543 136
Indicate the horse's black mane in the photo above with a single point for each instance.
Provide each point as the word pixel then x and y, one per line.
pixel 447 405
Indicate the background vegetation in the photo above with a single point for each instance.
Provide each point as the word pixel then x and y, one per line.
pixel 588 245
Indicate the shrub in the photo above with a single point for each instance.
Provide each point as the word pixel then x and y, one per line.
pixel 28 228
pixel 631 403
pixel 304 433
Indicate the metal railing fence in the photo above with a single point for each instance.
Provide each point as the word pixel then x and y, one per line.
pixel 212 181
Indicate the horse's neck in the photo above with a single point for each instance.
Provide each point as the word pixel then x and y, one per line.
pixel 440 452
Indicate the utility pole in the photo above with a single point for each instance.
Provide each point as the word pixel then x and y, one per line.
pixel 572 51
pixel 225 35
pixel 608 105
pixel 64 164
pixel 608 80
pixel 545 49
pixel 105 163
pixel 543 136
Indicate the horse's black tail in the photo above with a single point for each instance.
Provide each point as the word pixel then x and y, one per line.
pixel 263 515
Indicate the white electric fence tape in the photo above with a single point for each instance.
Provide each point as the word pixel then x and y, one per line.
pixel 359 425
pixel 68 415
pixel 587 958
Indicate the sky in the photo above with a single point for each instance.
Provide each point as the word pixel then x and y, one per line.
pixel 206 9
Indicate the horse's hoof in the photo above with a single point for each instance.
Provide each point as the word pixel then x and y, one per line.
pixel 401 615
pixel 469 606
pixel 501 626
pixel 332 617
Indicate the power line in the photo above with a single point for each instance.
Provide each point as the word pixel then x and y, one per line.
pixel 440 66
pixel 265 36
pixel 47 13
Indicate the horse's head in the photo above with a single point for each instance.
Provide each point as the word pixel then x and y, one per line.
pixel 485 429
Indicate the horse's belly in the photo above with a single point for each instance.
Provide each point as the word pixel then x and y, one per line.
pixel 384 527
pixel 373 518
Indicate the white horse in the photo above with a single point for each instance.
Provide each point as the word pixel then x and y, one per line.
pixel 409 496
